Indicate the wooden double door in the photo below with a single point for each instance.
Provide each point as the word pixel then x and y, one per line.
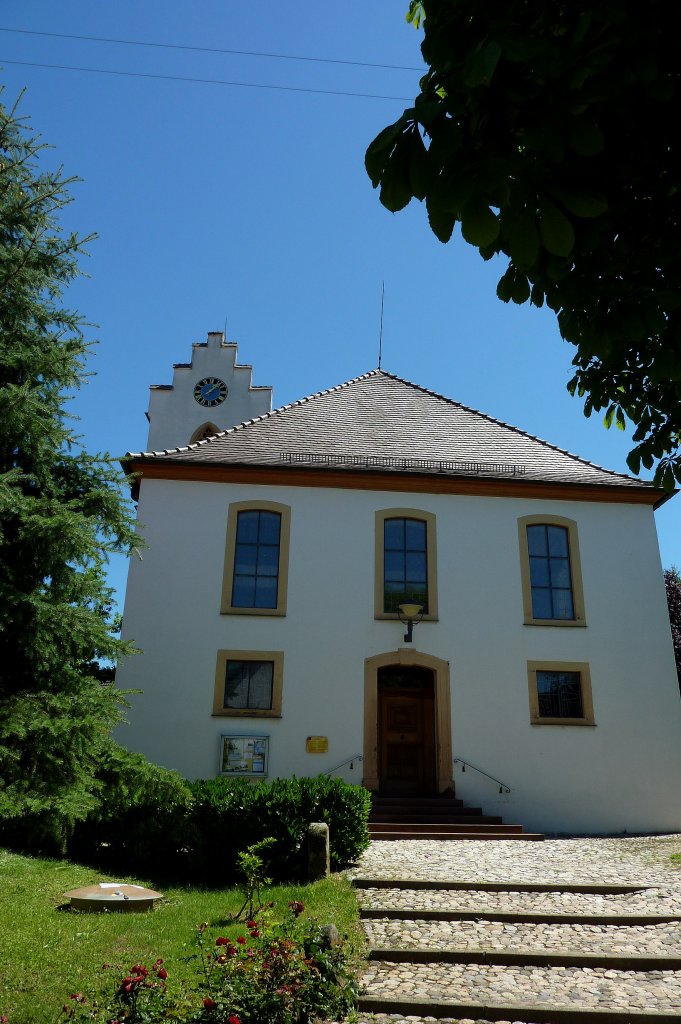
pixel 406 730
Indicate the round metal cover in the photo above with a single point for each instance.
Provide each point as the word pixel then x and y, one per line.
pixel 117 896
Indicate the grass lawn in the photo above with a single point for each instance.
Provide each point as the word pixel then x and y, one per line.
pixel 47 953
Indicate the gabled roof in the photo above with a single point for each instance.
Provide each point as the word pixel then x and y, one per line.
pixel 381 423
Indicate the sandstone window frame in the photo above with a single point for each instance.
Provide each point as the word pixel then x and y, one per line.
pixel 579 613
pixel 225 656
pixel 580 667
pixel 226 606
pixel 420 515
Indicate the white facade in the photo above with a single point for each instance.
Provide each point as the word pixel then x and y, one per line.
pixel 619 774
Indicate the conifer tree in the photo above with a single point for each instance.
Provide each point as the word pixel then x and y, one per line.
pixel 62 512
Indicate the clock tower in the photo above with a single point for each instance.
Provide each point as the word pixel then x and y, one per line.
pixel 211 393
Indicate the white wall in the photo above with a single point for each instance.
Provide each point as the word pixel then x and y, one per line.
pixel 622 774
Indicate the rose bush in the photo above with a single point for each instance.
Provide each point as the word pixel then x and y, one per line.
pixel 279 973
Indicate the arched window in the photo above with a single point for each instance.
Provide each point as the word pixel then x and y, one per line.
pixel 203 432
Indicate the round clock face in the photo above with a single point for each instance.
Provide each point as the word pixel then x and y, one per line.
pixel 210 391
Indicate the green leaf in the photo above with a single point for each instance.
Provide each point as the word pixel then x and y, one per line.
pixel 537 296
pixel 441 221
pixel 419 167
pixel 521 288
pixel 580 202
pixel 451 193
pixel 480 66
pixel 519 229
pixel 505 285
pixel 479 225
pixel 416 14
pixel 634 462
pixel 379 151
pixel 620 419
pixel 555 229
pixel 608 418
pixel 396 191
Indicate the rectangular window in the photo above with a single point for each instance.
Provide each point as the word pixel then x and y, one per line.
pixel 550 576
pixel 560 693
pixel 256 559
pixel 248 684
pixel 550 571
pixel 405 564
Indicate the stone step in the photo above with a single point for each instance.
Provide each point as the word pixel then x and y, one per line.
pixel 384 1010
pixel 428 827
pixel 477 834
pixel 389 914
pixel 444 884
pixel 443 798
pixel 412 819
pixel 521 992
pixel 527 958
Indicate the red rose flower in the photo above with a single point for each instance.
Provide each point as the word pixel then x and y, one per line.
pixel 251 924
pixel 209 1003
pixel 233 1019
pixel 296 907
pixel 241 939
pixel 162 974
pixel 254 933
pixel 221 941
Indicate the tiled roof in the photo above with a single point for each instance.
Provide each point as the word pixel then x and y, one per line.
pixel 382 423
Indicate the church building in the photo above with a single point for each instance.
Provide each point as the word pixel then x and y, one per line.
pixel 380 583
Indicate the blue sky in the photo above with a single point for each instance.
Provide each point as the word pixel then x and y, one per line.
pixel 251 206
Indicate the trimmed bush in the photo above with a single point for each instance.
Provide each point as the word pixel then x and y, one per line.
pixel 150 821
pixel 230 814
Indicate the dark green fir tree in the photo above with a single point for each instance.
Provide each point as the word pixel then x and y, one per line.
pixel 62 513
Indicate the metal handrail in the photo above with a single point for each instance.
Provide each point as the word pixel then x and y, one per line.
pixel 349 760
pixel 503 788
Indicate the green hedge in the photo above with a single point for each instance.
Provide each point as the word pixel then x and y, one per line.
pixel 230 814
pixel 151 821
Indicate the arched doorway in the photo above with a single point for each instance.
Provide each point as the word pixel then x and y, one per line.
pixel 407 724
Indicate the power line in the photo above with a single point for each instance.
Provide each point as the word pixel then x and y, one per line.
pixel 207 81
pixel 210 49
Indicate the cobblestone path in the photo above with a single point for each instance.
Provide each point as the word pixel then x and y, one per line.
pixel 507 955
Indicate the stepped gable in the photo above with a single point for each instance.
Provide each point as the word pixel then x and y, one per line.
pixel 382 423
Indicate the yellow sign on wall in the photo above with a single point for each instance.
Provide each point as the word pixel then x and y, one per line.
pixel 317 744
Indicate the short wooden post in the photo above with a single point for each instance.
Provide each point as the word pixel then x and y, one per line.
pixel 318 856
